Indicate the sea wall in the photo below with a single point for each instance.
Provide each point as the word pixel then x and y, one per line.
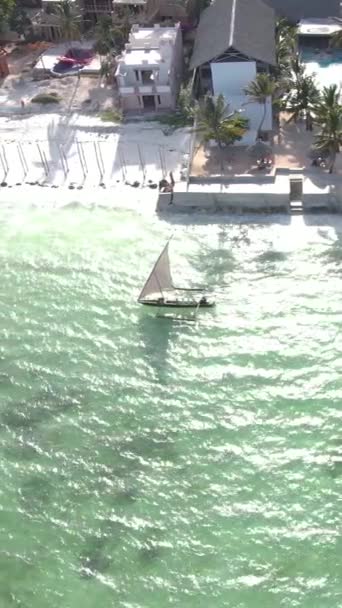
pixel 320 193
pixel 235 202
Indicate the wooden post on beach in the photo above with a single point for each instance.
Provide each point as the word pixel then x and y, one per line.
pixel 122 163
pixel 4 161
pixel 98 162
pixel 101 157
pixel 83 166
pixel 84 158
pixel 64 160
pixel 3 166
pixel 142 164
pixel 22 158
pixel 46 168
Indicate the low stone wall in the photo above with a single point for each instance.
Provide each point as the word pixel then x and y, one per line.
pixel 323 197
pixel 233 202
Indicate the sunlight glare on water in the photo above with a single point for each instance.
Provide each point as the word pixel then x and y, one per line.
pixel 147 463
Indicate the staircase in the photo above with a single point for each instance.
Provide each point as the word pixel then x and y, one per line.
pixel 296 208
pixel 296 195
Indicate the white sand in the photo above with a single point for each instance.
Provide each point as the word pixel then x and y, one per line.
pixel 84 152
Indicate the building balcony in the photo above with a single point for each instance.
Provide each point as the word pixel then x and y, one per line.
pixel 154 89
pixel 127 90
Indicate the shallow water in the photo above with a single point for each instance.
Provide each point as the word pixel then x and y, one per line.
pixel 150 463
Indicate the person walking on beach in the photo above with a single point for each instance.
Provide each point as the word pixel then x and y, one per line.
pixel 22 103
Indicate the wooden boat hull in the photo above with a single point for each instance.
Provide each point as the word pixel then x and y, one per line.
pixel 179 304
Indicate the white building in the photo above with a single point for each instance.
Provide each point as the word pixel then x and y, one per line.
pixel 149 70
pixel 235 41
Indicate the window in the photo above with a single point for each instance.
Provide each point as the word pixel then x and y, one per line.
pixel 147 76
pixel 159 100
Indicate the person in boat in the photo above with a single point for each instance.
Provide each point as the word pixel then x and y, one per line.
pixel 161 300
pixel 203 300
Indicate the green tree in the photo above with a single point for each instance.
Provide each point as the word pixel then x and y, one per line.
pixel 329 138
pixel 185 104
pixel 261 90
pixel 215 122
pixel 328 100
pixel 328 117
pixel 302 99
pixel 69 20
pixel 6 10
pixel 336 40
pixel 286 45
pixel 195 7
pixel 107 37
pixel 19 21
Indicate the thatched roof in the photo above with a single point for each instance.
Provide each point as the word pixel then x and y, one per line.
pixel 246 26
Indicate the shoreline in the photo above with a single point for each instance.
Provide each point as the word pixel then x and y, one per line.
pixel 57 159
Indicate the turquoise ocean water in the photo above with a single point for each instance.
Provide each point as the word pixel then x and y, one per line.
pixel 148 463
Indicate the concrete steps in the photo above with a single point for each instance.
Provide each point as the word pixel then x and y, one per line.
pixel 296 208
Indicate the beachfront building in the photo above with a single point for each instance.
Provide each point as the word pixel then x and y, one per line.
pixel 146 12
pixel 295 10
pixel 235 41
pixel 149 71
pixel 45 22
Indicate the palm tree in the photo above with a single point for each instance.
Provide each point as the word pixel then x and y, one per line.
pixel 286 42
pixel 107 37
pixel 336 40
pixel 261 90
pixel 69 20
pixel 215 122
pixel 303 97
pixel 328 116
pixel 328 100
pixel 330 137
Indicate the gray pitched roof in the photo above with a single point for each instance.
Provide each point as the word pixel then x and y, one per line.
pixel 245 25
pixel 299 9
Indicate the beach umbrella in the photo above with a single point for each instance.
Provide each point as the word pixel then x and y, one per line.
pixel 260 149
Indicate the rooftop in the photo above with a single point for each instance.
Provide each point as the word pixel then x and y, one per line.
pixel 247 26
pixel 302 9
pixel 130 2
pixel 148 46
pixel 319 27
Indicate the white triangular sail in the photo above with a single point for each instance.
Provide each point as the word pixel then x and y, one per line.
pixel 160 278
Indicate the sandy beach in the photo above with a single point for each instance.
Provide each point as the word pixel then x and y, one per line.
pixel 77 152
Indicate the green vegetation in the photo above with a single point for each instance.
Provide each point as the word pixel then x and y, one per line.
pixel 286 45
pixel 112 115
pixel 195 7
pixel 302 98
pixel 260 90
pixel 107 37
pixel 336 40
pixel 6 10
pixel 46 98
pixel 19 21
pixel 215 122
pixel 328 117
pixel 184 115
pixel 69 20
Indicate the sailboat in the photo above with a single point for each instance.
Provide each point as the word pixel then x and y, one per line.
pixel 160 291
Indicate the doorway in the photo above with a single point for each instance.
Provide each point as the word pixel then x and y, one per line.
pixel 149 102
pixel 296 189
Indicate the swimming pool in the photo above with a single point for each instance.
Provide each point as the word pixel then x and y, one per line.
pixel 326 67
